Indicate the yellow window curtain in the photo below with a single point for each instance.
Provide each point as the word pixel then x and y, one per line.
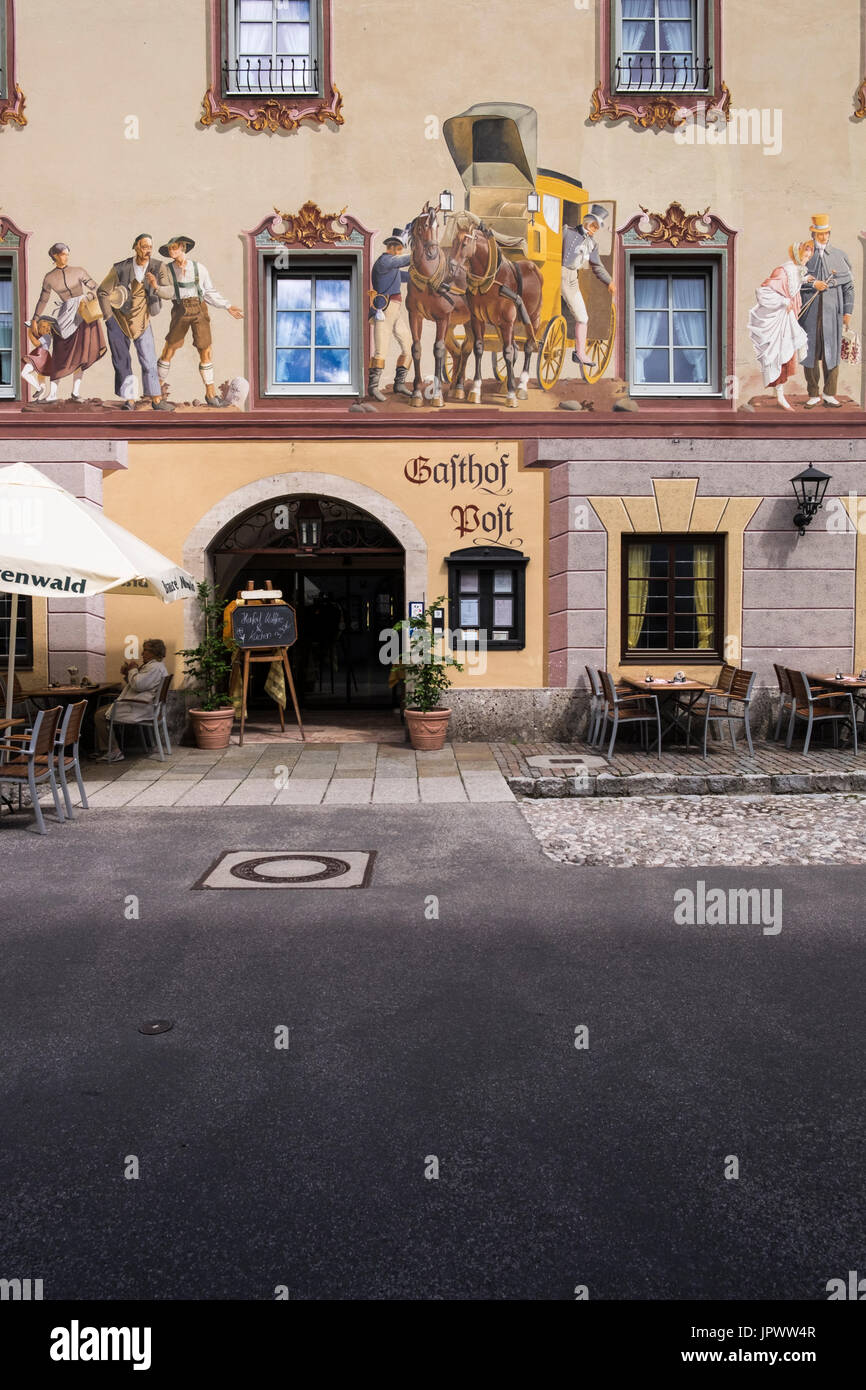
pixel 638 590
pixel 704 572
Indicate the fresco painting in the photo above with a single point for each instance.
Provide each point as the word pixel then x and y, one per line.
pixel 524 273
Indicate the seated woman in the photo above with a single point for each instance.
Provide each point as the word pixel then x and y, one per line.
pixel 778 337
pixel 134 704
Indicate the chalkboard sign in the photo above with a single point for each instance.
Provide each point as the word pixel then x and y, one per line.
pixel 265 626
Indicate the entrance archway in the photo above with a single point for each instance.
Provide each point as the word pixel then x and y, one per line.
pixel 344 554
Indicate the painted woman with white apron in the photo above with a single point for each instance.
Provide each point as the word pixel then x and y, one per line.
pixel 77 343
pixel 778 337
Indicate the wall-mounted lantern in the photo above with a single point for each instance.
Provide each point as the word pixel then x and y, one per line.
pixel 809 489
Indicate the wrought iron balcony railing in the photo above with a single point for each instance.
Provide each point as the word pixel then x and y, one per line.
pixel 644 73
pixel 275 75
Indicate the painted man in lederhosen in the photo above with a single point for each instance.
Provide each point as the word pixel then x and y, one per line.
pixel 128 303
pixel 580 249
pixel 388 276
pixel 827 313
pixel 191 290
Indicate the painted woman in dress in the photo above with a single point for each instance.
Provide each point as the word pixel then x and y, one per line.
pixel 76 344
pixel 778 337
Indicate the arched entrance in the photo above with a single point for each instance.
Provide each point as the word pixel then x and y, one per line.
pixel 342 552
pixel 344 573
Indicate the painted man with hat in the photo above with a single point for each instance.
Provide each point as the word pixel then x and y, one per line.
pixel 191 290
pixel 827 313
pixel 388 312
pixel 580 249
pixel 128 303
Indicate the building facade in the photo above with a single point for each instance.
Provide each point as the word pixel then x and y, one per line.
pixel 645 185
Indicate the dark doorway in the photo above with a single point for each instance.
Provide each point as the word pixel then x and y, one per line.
pixel 346 588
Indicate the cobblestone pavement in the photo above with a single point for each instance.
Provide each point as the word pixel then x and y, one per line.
pixel 693 831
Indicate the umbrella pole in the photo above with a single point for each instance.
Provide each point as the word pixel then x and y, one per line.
pixel 10 670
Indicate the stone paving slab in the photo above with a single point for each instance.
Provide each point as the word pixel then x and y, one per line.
pixel 391 791
pixel 441 789
pixel 344 791
pixel 210 793
pixel 162 793
pixel 253 792
pixel 302 791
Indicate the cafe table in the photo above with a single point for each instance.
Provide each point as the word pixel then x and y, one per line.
pixel 71 694
pixel 679 697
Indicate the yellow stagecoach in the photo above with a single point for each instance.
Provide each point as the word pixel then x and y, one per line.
pixel 494 147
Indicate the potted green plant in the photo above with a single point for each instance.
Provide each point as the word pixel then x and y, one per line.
pixel 209 668
pixel 426 673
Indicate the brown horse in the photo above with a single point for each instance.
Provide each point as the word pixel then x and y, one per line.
pixel 437 291
pixel 499 292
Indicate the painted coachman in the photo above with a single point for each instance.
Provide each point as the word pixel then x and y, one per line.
pixel 830 283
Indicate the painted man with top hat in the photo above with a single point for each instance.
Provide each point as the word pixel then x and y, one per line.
pixel 191 290
pixel 827 313
pixel 388 312
pixel 580 249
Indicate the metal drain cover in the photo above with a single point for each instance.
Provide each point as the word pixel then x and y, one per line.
pixel 247 868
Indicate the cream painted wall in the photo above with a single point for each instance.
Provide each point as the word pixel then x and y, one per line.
pixel 174 486
pixel 402 67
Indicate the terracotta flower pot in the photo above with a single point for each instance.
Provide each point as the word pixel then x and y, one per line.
pixel 212 727
pixel 427 728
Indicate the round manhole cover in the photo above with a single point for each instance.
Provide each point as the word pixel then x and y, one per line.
pixel 290 868
pixel 155 1025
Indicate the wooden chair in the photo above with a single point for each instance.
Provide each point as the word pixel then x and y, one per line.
pixel 598 711
pixel 716 706
pixel 620 710
pixel 156 725
pixel 805 703
pixel 20 700
pixel 785 697
pixel 66 753
pixel 32 761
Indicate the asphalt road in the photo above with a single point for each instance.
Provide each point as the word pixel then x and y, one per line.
pixel 409 1039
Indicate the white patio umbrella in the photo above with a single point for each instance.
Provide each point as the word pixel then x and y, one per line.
pixel 52 543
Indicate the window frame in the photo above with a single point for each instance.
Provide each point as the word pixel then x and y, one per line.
pixel 701 55
pixel 270 112
pixel 317 263
pixel 689 656
pixel 488 559
pixel 657 106
pixel 13 244
pixel 230 49
pixel 25 615
pixel 12 101
pixel 701 263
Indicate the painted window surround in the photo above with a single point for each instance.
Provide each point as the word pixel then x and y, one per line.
pixel 701 239
pixel 320 235
pixel 13 244
pixel 12 100
pixel 660 109
pixel 675 508
pixel 286 112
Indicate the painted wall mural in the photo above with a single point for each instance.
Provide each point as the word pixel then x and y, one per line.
pixel 531 295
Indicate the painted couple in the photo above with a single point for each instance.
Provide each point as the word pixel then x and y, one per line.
pixel 802 310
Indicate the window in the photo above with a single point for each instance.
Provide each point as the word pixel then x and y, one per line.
pixel 23 631
pixel 270 65
pixel 8 331
pixel 273 47
pixel 672 331
pixel 487 596
pixel 661 46
pixel 672 597
pixel 659 61
pixel 313 330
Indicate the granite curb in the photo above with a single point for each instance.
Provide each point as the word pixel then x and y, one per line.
pixel 666 784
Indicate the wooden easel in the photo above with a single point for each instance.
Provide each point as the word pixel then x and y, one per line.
pixel 272 654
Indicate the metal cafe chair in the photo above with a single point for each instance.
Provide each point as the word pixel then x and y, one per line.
pixel 806 702
pixel 32 761
pixel 66 738
pixel 785 698
pixel 619 709
pixel 716 706
pixel 598 716
pixel 156 725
